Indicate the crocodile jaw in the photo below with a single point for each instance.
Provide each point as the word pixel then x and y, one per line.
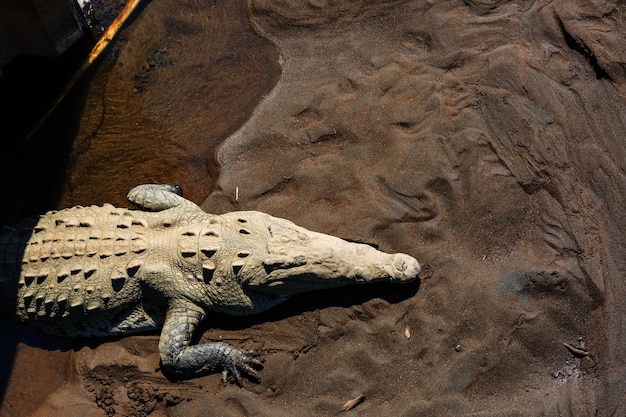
pixel 300 260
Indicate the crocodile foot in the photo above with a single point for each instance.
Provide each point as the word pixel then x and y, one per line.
pixel 183 360
pixel 210 357
pixel 236 360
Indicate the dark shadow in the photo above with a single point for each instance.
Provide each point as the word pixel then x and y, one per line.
pixel 345 297
pixel 32 172
pixel 335 297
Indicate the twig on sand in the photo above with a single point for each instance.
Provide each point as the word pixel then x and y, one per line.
pixel 102 44
pixel 353 403
pixel 576 351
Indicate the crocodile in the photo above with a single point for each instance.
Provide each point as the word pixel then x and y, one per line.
pixel 105 270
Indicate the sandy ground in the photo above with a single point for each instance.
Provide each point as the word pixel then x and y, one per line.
pixel 485 138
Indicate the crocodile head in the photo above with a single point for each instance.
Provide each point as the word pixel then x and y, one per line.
pixel 300 260
pixel 272 259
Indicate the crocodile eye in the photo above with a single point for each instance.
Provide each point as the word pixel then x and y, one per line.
pixel 302 236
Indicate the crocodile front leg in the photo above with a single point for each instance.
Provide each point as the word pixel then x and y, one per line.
pixel 185 361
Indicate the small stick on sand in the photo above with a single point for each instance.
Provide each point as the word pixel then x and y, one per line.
pixel 104 41
pixel 353 403
pixel 576 351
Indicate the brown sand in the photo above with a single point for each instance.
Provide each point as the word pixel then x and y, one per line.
pixel 486 138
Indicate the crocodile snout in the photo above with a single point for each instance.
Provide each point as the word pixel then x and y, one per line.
pixel 406 267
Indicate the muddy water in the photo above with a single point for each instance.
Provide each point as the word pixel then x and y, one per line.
pixel 181 77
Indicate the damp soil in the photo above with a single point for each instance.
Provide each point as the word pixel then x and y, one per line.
pixel 485 138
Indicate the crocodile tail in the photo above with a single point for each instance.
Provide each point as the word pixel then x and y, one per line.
pixel 13 241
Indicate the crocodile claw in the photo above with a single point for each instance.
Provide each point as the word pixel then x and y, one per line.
pixel 240 360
